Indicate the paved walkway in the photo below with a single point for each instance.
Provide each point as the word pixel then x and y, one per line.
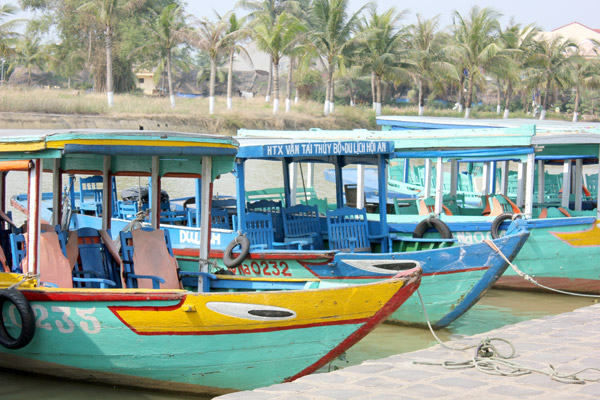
pixel 570 342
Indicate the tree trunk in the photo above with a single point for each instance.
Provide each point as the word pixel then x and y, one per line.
pixel 507 102
pixel 230 80
pixel 109 70
pixel 373 90
pixel 378 86
pixel 211 84
pixel 170 79
pixel 275 86
pixel 269 84
pixel 288 92
pixel 328 94
pixel 545 104
pixel 469 98
pixel 498 99
pixel 461 89
pixel 421 105
pixel 576 106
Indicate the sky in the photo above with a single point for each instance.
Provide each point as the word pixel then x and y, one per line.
pixel 547 15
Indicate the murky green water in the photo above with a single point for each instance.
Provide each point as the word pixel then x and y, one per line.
pixel 495 309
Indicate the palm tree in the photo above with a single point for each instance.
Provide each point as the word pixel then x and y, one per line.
pixel 30 54
pixel 8 32
pixel 331 31
pixel 107 13
pixel 236 34
pixel 517 44
pixel 211 37
pixel 551 61
pixel 167 30
pixel 380 48
pixel 585 74
pixel 277 38
pixel 430 67
pixel 476 45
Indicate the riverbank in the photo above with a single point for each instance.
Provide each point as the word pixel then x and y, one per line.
pixel 31 108
pixel 566 341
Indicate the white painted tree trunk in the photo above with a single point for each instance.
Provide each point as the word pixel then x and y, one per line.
pixel 575 116
pixel 498 109
pixel 421 111
pixel 275 105
pixel 331 107
pixel 288 105
pixel 296 97
pixel 211 105
pixel 229 103
pixel 111 98
pixel 351 102
pixel 506 111
pixel 172 101
pixel 326 107
pixel 543 115
pixel 467 113
pixel 460 108
pixel 377 109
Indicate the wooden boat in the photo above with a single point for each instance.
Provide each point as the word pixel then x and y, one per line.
pixel 214 335
pixel 455 277
pixel 563 245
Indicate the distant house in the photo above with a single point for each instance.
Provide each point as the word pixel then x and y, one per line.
pixel 146 82
pixel 580 34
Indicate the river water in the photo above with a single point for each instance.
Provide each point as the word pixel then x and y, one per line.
pixel 497 308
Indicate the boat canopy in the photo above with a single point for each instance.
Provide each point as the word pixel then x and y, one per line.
pixel 131 151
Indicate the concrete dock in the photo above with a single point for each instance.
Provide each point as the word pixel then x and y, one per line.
pixel 570 342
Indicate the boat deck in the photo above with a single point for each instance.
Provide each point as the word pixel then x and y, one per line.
pixel 567 341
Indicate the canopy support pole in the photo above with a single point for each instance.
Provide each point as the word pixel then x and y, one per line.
pixel 293 168
pixel 453 177
pixel 360 186
pixel 578 183
pixel 566 187
pixel 205 203
pixel 521 184
pixel 240 202
pixel 541 181
pixel 155 199
pixel 504 180
pixel 383 225
pixel 427 182
pixel 530 184
pixel 107 191
pixel 33 227
pixel 439 186
pixel 56 192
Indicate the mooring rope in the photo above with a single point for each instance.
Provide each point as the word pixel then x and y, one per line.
pixel 529 278
pixel 26 277
pixel 489 360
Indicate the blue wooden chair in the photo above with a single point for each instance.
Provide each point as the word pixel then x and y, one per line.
pixel 127 209
pixel 153 265
pixel 220 218
pixel 90 195
pixel 50 269
pixel 94 260
pixel 302 222
pixel 348 230
pixel 259 230
pixel 274 208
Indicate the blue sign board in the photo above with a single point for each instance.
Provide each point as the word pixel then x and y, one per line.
pixel 364 147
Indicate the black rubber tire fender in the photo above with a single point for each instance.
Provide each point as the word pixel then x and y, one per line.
pixel 495 230
pixel 228 259
pixel 27 320
pixel 435 223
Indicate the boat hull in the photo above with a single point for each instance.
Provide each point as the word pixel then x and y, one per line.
pixel 209 343
pixel 561 253
pixel 454 278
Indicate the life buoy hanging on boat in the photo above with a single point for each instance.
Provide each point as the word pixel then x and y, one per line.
pixel 495 230
pixel 434 223
pixel 228 259
pixel 27 320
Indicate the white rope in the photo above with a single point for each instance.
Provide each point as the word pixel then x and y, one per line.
pixel 489 360
pixel 26 277
pixel 530 279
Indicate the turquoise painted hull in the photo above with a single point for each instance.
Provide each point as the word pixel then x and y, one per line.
pixel 210 343
pixel 454 278
pixel 561 253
